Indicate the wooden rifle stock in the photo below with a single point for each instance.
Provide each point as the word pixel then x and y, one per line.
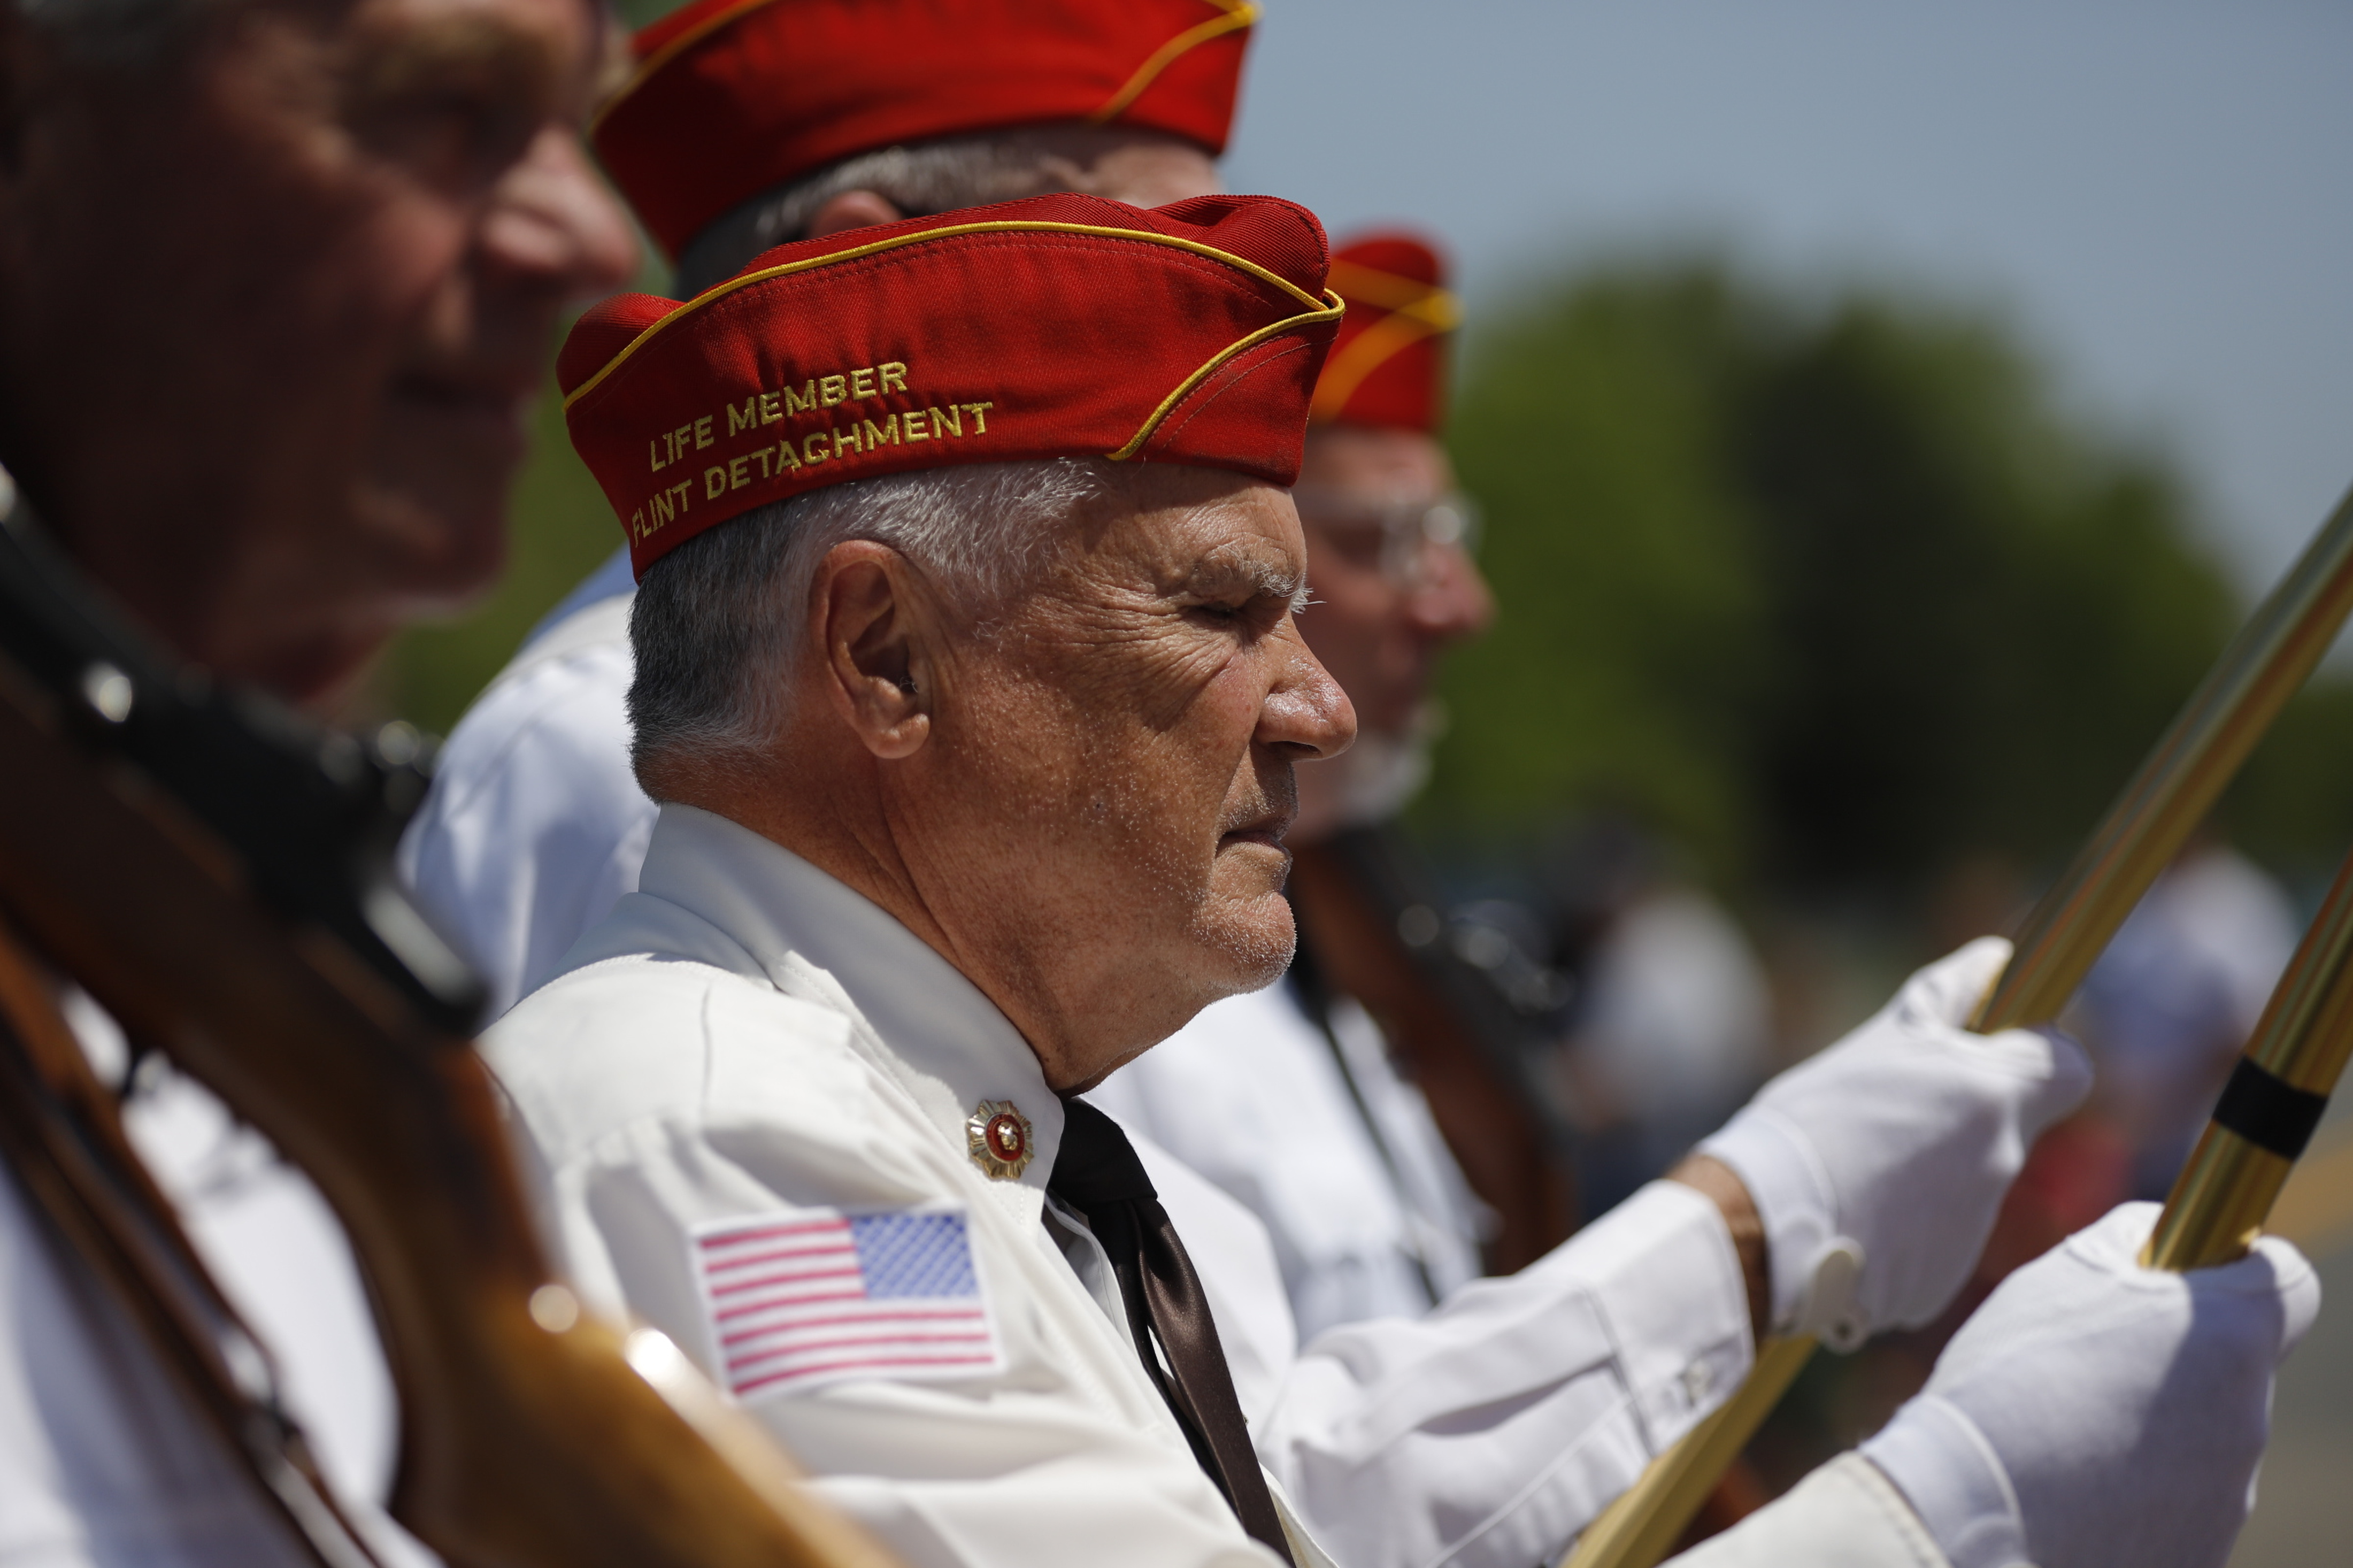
pixel 2072 924
pixel 532 1435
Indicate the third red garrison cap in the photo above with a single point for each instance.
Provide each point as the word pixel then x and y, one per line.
pixel 1388 363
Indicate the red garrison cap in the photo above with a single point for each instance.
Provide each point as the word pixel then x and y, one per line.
pixel 1058 326
pixel 732 97
pixel 1388 363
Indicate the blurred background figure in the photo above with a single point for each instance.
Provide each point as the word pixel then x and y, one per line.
pixel 378 216
pixel 1669 1022
pixel 2171 1004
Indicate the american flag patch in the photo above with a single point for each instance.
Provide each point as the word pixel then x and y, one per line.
pixel 820 1296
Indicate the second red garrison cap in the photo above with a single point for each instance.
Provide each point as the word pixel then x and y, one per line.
pixel 732 97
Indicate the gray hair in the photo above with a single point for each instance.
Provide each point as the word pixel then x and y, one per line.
pixel 717 620
pixel 937 177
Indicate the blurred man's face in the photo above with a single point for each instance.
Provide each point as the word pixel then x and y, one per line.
pixel 1120 163
pixel 1393 585
pixel 272 312
pixel 1109 777
pixel 1141 168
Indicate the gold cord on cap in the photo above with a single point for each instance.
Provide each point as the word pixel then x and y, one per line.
pixel 1237 15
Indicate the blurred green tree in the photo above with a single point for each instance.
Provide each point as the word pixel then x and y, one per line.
pixel 1632 645
pixel 1834 596
pixel 2293 808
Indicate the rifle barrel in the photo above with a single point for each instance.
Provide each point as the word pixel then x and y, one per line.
pixel 2275 1099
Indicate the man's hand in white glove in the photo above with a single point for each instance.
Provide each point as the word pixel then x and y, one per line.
pixel 1878 1165
pixel 2093 1411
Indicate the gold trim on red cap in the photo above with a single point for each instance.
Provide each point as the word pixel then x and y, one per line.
pixel 1234 16
pixel 1416 311
pixel 652 64
pixel 1394 291
pixel 1326 309
pixel 1332 309
pixel 1237 15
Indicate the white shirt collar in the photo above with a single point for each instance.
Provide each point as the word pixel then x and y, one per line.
pixel 814 937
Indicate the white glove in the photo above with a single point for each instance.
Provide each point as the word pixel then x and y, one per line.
pixel 1878 1165
pixel 2095 1411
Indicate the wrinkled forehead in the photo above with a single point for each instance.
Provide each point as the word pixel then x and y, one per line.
pixel 1169 529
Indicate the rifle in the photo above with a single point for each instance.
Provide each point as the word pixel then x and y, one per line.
pixel 215 872
pixel 2272 1103
pixel 2232 1177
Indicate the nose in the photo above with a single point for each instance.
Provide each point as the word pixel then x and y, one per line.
pixel 552 223
pixel 1306 715
pixel 1452 602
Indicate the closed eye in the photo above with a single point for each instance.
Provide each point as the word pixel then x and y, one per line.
pixel 1245 588
pixel 1258 614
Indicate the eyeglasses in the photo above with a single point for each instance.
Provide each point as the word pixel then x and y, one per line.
pixel 1404 541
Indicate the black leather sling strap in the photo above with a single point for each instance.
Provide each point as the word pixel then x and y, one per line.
pixel 1098 1174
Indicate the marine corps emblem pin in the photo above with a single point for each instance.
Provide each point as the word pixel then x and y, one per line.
pixel 999 1139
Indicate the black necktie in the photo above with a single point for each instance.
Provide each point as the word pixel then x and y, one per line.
pixel 1097 1174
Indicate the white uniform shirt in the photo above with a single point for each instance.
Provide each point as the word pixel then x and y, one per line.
pixel 535 824
pixel 1367 1221
pixel 746 1044
pixel 535 827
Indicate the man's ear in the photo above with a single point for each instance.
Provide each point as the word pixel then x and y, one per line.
pixel 852 209
pixel 877 634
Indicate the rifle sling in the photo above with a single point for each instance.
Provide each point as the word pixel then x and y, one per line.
pixel 61 1134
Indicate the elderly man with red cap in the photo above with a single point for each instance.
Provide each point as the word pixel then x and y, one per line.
pixel 968 678
pixel 745 125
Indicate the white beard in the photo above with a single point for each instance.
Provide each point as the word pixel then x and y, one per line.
pixel 1385 769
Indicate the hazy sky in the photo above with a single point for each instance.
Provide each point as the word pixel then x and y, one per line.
pixel 2159 195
